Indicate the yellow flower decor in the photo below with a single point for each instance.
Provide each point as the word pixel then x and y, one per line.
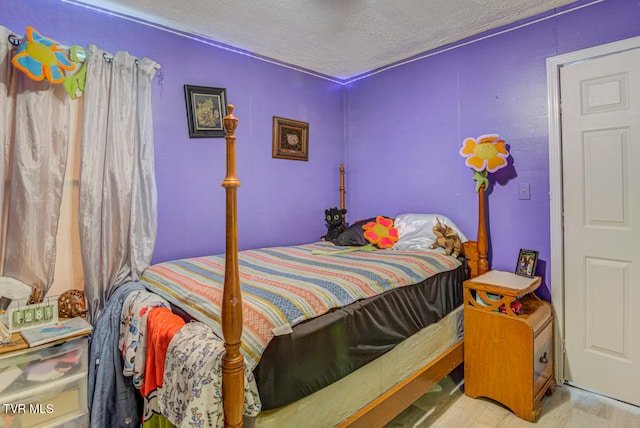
pixel 381 233
pixel 40 57
pixel 484 154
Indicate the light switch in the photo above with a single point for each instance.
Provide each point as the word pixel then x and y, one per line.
pixel 523 191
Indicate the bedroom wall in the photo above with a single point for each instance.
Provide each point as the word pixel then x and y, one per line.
pixel 406 125
pixel 280 201
pixel 398 131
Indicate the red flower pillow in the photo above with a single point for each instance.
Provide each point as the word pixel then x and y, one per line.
pixel 381 232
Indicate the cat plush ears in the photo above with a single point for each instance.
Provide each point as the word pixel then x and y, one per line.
pixel 335 210
pixel 333 215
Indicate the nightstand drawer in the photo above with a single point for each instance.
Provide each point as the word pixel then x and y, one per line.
pixel 32 367
pixel 542 357
pixel 46 405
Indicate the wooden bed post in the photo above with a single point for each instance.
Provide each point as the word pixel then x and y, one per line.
pixel 476 251
pixel 483 245
pixel 344 216
pixel 341 186
pixel 232 360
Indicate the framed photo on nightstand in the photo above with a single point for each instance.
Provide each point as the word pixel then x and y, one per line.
pixel 527 262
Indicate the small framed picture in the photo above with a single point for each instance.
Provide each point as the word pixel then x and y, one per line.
pixel 527 262
pixel 206 107
pixel 290 139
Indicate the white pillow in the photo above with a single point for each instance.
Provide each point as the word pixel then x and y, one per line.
pixel 415 231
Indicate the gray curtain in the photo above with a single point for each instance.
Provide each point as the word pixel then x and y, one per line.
pixel 34 136
pixel 117 180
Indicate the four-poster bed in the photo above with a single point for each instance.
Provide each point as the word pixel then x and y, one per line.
pixel 392 401
pixel 375 389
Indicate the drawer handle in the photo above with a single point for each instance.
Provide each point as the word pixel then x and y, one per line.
pixel 544 359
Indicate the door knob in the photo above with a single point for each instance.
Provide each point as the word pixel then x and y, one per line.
pixel 543 358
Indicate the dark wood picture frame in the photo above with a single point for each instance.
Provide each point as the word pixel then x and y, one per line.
pixel 205 109
pixel 290 139
pixel 527 263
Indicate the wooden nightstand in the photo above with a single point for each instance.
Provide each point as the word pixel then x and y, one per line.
pixel 508 357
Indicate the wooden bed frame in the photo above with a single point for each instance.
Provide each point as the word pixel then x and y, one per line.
pixel 380 410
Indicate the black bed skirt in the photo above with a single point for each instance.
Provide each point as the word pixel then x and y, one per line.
pixel 323 350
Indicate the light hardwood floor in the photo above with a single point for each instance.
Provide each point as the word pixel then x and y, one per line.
pixel 447 406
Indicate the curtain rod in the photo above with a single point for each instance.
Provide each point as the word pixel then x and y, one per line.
pixel 76 53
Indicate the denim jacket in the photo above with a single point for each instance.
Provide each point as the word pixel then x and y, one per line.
pixel 111 395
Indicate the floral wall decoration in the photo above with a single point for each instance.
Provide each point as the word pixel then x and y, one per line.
pixel 40 57
pixel 484 154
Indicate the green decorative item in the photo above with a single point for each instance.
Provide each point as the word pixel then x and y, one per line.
pixel 482 179
pixel 74 84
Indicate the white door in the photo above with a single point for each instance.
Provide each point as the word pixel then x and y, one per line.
pixel 600 107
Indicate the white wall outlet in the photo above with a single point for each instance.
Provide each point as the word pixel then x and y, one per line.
pixel 523 191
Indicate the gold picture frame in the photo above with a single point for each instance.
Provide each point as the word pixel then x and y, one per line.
pixel 205 109
pixel 290 139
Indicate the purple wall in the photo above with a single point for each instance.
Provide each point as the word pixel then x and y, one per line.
pixel 280 201
pixel 406 125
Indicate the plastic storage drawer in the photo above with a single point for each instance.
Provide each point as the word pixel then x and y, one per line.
pixel 32 367
pixel 48 405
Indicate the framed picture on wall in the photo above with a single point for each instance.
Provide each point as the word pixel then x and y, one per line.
pixel 527 262
pixel 290 139
pixel 205 109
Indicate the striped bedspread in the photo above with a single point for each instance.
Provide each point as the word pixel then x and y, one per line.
pixel 283 286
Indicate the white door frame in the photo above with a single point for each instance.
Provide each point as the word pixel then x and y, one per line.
pixel 555 180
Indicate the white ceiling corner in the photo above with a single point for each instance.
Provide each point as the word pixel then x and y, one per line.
pixel 337 38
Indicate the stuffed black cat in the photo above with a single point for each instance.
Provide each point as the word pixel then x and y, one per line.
pixel 335 223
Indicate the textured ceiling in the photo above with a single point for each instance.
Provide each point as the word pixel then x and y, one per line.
pixel 337 38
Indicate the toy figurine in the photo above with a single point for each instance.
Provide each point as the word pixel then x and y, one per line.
pixel 335 223
pixel 447 238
